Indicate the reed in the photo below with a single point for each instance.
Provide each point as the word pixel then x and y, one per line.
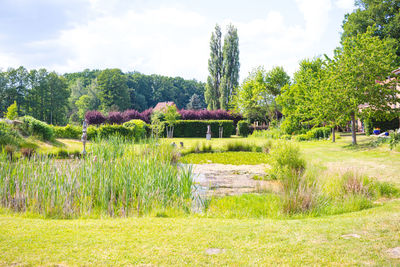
pixel 116 178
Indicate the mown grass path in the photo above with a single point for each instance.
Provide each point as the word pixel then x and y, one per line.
pixel 184 241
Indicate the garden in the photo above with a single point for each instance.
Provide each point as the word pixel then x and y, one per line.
pixel 253 190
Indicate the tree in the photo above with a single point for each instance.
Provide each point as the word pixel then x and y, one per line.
pixel 276 79
pixel 194 103
pixel 171 115
pixel 385 14
pixel 58 94
pixel 12 111
pixel 252 99
pixel 298 100
pixel 113 90
pixel 212 93
pixel 364 60
pixel 83 104
pixel 231 65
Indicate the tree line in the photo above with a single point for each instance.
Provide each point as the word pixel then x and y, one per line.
pixel 60 99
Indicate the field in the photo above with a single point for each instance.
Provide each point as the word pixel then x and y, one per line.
pixel 367 236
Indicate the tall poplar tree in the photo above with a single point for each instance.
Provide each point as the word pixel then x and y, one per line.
pixel 231 66
pixel 212 93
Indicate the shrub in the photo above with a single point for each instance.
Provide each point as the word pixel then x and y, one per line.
pixel 115 117
pixel 131 114
pixel 106 131
pixel 210 115
pixel 244 129
pixel 95 117
pixel 32 126
pixel 302 137
pixel 69 131
pixel 9 136
pixel 92 132
pixel 141 128
pixel 319 133
pixel 195 128
pixel 146 115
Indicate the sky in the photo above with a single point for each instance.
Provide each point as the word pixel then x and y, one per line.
pixel 167 37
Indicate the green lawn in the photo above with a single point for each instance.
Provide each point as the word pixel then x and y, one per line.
pixel 183 241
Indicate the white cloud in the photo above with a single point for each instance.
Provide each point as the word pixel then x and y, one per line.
pixel 167 41
pixel 345 4
pixel 174 41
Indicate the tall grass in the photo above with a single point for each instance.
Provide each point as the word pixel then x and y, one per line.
pixel 115 179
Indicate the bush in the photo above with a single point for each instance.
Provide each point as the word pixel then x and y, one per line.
pixel 210 115
pixel 195 128
pixel 92 132
pixel 131 114
pixel 69 131
pixel 9 136
pixel 141 128
pixel 95 117
pixel 106 131
pixel 302 137
pixel 319 133
pixel 244 129
pixel 32 126
pixel 115 118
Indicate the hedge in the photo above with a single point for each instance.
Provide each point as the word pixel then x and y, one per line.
pixel 244 128
pixel 198 128
pixel 384 126
pixel 69 131
pixel 32 126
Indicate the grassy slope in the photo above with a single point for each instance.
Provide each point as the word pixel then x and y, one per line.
pixel 172 241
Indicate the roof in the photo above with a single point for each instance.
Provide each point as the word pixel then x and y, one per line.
pixel 163 105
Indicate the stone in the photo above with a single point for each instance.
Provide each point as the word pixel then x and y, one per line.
pixel 349 236
pixel 214 251
pixel 394 253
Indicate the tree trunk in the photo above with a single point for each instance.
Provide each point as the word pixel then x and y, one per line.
pixel 333 135
pixel 353 128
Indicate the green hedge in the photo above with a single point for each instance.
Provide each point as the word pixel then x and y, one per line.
pixel 198 128
pixel 32 126
pixel 386 125
pixel 244 128
pixel 69 131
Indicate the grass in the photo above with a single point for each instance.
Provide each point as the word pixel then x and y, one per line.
pixel 183 241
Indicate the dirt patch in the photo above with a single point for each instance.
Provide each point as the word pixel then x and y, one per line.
pixel 222 179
